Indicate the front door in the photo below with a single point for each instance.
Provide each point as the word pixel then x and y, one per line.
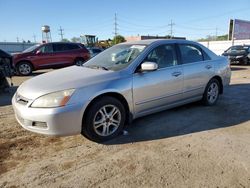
pixel 44 56
pixel 157 89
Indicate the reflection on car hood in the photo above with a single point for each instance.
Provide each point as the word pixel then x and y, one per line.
pixel 237 53
pixel 66 78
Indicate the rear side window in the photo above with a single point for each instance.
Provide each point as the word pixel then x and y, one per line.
pixel 96 50
pixel 205 56
pixel 73 46
pixel 60 47
pixel 190 53
pixel 65 47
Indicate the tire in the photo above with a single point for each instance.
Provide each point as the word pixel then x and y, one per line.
pixel 24 68
pixel 245 61
pixel 98 123
pixel 211 94
pixel 79 61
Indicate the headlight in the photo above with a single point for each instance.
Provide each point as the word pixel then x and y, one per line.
pixel 239 56
pixel 55 99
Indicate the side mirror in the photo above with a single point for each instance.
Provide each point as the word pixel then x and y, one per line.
pixel 149 66
pixel 38 52
pixel 224 53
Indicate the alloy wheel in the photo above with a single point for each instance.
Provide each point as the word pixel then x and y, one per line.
pixel 24 69
pixel 212 92
pixel 107 120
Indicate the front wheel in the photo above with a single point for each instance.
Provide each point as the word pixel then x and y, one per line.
pixel 211 93
pixel 104 119
pixel 79 62
pixel 24 68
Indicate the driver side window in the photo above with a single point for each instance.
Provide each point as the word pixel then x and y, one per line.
pixel 164 56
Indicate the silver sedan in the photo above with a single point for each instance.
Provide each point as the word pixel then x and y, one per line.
pixel 120 84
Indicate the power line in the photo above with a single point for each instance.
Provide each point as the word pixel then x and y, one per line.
pixel 193 28
pixel 218 15
pixel 61 32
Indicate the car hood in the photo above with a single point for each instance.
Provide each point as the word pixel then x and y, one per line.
pixel 236 53
pixel 66 78
pixel 19 55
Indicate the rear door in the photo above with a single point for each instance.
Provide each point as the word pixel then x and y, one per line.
pixel 198 69
pixel 154 90
pixel 63 54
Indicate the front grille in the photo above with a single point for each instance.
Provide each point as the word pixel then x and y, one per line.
pixel 21 100
pixel 39 124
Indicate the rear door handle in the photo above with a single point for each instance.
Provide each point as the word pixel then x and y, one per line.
pixel 176 74
pixel 208 66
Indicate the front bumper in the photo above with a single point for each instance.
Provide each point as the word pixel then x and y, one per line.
pixel 59 121
pixel 235 60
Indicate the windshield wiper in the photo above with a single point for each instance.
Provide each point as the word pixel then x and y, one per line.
pixel 104 68
pixel 97 67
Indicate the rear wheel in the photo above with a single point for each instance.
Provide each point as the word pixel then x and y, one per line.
pixel 211 93
pixel 24 68
pixel 248 61
pixel 245 61
pixel 79 61
pixel 104 119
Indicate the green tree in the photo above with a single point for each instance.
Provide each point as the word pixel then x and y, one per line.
pixel 65 40
pixel 222 37
pixel 76 39
pixel 213 38
pixel 118 39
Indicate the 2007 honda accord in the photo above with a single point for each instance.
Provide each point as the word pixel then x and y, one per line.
pixel 124 82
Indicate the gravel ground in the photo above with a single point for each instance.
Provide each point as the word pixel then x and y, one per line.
pixel 189 146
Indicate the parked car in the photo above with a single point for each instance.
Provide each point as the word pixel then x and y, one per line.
pixel 238 54
pixel 100 97
pixel 94 51
pixel 50 55
pixel 6 69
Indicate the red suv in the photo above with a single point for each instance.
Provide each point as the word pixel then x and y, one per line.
pixel 50 55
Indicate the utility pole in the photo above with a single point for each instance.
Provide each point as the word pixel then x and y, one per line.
pixel 34 37
pixel 17 39
pixel 171 28
pixel 216 33
pixel 61 32
pixel 116 27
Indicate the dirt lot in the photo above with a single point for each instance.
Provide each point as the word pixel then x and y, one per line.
pixel 189 146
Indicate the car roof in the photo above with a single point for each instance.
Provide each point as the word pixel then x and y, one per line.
pixel 62 43
pixel 150 41
pixel 241 45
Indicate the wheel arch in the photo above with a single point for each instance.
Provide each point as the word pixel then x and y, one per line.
pixel 220 82
pixel 24 60
pixel 78 57
pixel 117 96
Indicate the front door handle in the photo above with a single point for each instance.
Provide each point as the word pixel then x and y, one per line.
pixel 176 74
pixel 208 66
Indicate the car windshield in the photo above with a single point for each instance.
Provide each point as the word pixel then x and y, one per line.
pixel 30 49
pixel 237 48
pixel 115 58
